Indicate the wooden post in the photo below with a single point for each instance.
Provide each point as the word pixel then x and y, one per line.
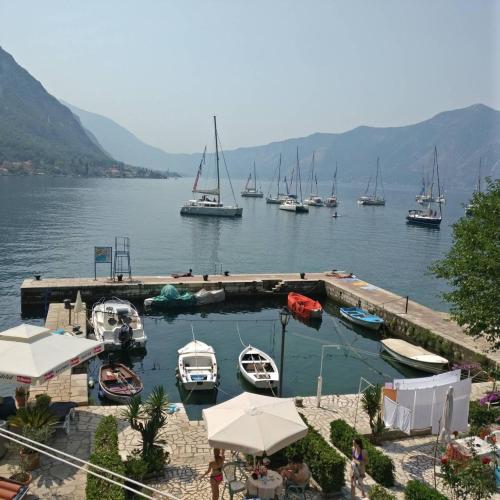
pixel 406 306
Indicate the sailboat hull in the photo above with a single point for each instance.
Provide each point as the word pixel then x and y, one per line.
pixel 212 211
pixel 249 194
pixel 423 221
pixel 274 201
pixel 373 203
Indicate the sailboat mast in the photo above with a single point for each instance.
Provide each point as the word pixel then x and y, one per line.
pixel 334 184
pixel 312 175
pixel 298 175
pixel 254 176
pixel 217 159
pixel 437 175
pixel 279 177
pixel 376 180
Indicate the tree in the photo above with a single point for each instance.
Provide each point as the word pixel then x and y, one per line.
pixel 472 267
pixel 371 402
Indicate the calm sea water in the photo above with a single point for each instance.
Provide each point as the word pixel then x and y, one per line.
pixel 50 226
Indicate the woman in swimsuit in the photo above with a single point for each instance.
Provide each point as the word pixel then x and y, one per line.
pixel 215 470
pixel 358 467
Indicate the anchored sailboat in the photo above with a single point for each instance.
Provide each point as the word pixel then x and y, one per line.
pixel 292 204
pixel 469 208
pixel 313 200
pixel 206 205
pixel 280 197
pixel 252 191
pixel 426 195
pixel 332 201
pixel 373 199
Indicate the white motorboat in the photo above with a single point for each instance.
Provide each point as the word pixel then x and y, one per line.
pixel 258 368
pixel 206 205
pixel 197 366
pixel 117 323
pixel 414 356
pixel 373 199
pixel 204 297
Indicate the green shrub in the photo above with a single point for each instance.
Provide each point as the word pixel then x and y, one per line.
pixel 415 490
pixel 326 465
pixel 379 466
pixel 106 455
pixel 378 492
pixel 481 415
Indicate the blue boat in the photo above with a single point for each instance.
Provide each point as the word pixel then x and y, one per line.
pixel 361 317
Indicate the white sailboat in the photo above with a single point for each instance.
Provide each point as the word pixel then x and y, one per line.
pixel 280 197
pixel 469 208
pixel 197 366
pixel 373 199
pixel 206 205
pixel 258 368
pixel 252 191
pixel 331 201
pixel 292 203
pixel 313 200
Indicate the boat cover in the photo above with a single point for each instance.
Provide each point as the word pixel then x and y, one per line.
pixel 170 297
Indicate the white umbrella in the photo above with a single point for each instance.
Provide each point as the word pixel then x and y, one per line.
pixel 254 424
pixel 32 354
pixel 447 417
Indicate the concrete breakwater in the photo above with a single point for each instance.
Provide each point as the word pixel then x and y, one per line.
pixel 414 322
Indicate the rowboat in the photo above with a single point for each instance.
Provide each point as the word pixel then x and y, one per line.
pixel 258 368
pixel 118 383
pixel 197 366
pixel 361 317
pixel 414 356
pixel 303 306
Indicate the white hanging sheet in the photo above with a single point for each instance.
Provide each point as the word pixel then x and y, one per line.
pixel 396 416
pixel 460 416
pixel 446 378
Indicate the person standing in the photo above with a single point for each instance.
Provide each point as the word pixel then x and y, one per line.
pixel 215 471
pixel 358 467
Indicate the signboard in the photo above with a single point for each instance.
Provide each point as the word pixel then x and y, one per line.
pixel 103 255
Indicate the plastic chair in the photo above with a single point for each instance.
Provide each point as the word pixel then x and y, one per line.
pixel 234 484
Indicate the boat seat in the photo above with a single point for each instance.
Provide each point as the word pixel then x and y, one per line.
pixel 190 368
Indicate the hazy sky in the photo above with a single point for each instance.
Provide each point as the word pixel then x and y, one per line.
pixel 270 69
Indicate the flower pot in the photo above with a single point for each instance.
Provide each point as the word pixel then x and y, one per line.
pixel 119 277
pixel 205 277
pixel 30 461
pixel 21 477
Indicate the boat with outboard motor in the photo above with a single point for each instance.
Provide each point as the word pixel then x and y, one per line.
pixel 197 366
pixel 361 317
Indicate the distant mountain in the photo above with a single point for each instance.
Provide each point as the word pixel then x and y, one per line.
pixel 125 146
pixel 462 136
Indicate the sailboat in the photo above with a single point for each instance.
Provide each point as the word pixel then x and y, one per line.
pixel 292 204
pixel 331 201
pixel 373 199
pixel 252 191
pixel 205 205
pixel 425 195
pixel 280 197
pixel 313 200
pixel 469 208
pixel 428 217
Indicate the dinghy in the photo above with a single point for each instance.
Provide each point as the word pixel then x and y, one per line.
pixel 204 297
pixel 361 317
pixel 118 383
pixel 303 306
pixel 258 368
pixel 197 366
pixel 414 356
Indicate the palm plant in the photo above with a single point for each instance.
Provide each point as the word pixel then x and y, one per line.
pixel 148 419
pixel 372 405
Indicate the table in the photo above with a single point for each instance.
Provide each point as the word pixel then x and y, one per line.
pixel 481 447
pixel 266 488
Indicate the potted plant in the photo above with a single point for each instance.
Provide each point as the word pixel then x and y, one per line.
pixel 21 395
pixel 22 475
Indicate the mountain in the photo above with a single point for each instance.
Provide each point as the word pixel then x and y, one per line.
pixel 125 146
pixel 462 136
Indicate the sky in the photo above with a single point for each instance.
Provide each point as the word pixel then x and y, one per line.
pixel 269 69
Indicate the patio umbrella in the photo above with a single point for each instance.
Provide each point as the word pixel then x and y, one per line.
pixel 32 354
pixel 254 424
pixel 447 417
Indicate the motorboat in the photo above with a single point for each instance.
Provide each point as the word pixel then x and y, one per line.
pixel 361 317
pixel 170 298
pixel 118 383
pixel 373 199
pixel 258 368
pixel 117 323
pixel 304 307
pixel 251 190
pixel 206 205
pixel 414 356
pixel 204 297
pixel 424 217
pixel 197 366
pixel 292 205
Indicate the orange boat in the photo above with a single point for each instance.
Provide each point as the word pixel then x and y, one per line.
pixel 303 306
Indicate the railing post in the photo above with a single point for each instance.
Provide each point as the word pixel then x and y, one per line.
pixel 406 306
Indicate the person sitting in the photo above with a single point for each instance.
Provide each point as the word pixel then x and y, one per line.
pixel 297 472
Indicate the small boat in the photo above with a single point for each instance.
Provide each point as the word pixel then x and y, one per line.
pixel 116 322
pixel 11 489
pixel 314 200
pixel 373 199
pixel 118 383
pixel 252 191
pixel 197 366
pixel 258 368
pixel 204 297
pixel 170 298
pixel 280 197
pixel 331 201
pixel 361 317
pixel 414 356
pixel 206 205
pixel 469 208
pixel 303 306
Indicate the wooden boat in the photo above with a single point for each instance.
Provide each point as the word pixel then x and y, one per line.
pixel 197 366
pixel 361 317
pixel 258 368
pixel 303 306
pixel 118 383
pixel 414 356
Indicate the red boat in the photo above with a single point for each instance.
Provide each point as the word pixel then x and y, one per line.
pixel 303 306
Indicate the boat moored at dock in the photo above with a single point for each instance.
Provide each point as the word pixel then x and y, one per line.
pixel 304 307
pixel 258 368
pixel 197 366
pixel 118 383
pixel 361 317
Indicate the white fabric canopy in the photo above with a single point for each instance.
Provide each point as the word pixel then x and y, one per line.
pixel 430 381
pixel 32 354
pixel 254 424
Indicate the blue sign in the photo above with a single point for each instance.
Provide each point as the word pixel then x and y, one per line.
pixel 103 255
